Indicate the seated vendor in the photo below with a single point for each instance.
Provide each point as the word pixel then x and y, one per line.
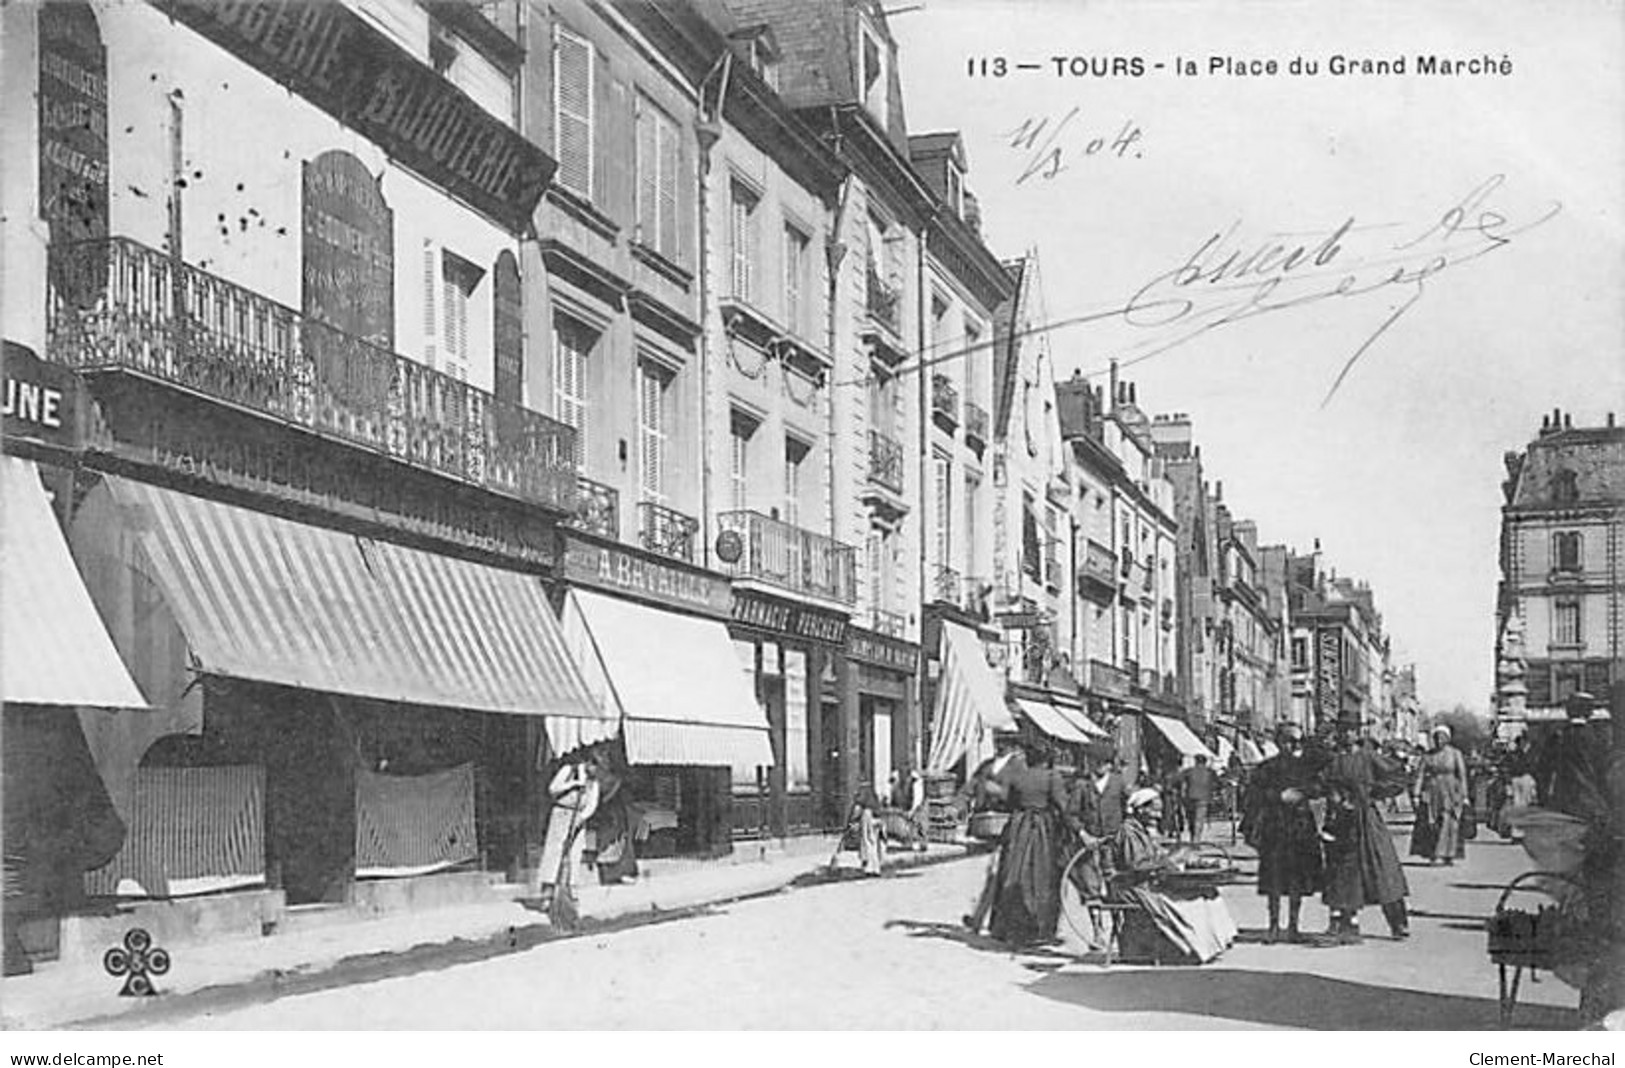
pixel 1174 924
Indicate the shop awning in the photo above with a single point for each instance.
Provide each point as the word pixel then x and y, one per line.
pixel 675 679
pixel 1250 753
pixel 54 649
pixel 970 698
pixel 267 599
pixel 1048 719
pixel 1223 750
pixel 1180 737
pixel 1080 720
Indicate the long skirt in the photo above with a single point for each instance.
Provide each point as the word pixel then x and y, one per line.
pixel 871 845
pixel 1175 928
pixel 1437 834
pixel 1362 865
pixel 1027 902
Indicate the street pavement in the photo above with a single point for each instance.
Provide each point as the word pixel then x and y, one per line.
pixel 890 953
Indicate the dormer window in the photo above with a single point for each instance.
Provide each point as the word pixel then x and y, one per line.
pixel 956 190
pixel 761 53
pixel 872 78
pixel 1565 487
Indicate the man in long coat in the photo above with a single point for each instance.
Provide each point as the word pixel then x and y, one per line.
pixel 1362 865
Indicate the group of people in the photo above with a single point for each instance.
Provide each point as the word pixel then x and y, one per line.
pixel 1101 832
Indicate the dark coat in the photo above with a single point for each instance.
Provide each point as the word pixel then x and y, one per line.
pixel 1283 832
pixel 1109 805
pixel 1362 865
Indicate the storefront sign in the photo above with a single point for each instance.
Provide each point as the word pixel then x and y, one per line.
pixel 348 249
pixel 1108 681
pixel 73 143
pixel 609 567
pixel 1328 672
pixel 879 650
pixel 41 402
pixel 796 621
pixel 338 62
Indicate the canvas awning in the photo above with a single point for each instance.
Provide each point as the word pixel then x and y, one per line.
pixel 1048 719
pixel 268 599
pixel 1079 719
pixel 1180 737
pixel 1250 753
pixel 1223 750
pixel 970 698
pixel 674 678
pixel 54 648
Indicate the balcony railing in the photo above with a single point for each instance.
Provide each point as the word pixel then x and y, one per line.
pixel 947 585
pixel 667 531
pixel 976 424
pixel 598 508
pixel 891 624
pixel 791 558
pixel 944 400
pixel 884 301
pixel 1099 566
pixel 117 304
pixel 886 461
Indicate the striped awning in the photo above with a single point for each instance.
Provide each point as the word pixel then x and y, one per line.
pixel 1180 737
pixel 1048 719
pixel 970 698
pixel 268 599
pixel 54 648
pixel 1079 719
pixel 675 679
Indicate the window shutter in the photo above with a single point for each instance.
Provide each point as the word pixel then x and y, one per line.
pixel 431 296
pixel 669 153
pixel 737 244
pixel 569 386
pixel 647 176
pixel 573 110
pixel 652 430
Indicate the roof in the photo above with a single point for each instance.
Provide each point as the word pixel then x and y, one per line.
pixel 1571 468
pixel 1007 348
pixel 938 143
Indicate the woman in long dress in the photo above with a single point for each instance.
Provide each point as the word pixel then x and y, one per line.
pixel 1362 865
pixel 1441 790
pixel 1280 825
pixel 1186 925
pixel 1032 853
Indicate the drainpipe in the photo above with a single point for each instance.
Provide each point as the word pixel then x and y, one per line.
pixel 707 131
pixel 917 728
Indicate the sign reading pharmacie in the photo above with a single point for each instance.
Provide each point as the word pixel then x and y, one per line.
pixel 789 620
pixel 620 570
pixel 334 59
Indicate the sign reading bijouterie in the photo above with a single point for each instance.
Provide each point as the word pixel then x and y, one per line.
pixel 611 568
pixel 881 651
pixel 795 621
pixel 330 56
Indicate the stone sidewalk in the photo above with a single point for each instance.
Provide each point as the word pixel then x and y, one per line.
pixel 72 995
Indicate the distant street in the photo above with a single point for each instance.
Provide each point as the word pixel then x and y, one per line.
pixel 890 953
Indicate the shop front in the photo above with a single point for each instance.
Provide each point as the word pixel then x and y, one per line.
pixel 968 704
pixel 651 636
pixel 332 710
pixel 1051 719
pixel 884 671
pixel 794 656
pixel 1110 700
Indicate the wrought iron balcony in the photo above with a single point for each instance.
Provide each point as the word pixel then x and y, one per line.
pixel 598 508
pixel 891 624
pixel 886 461
pixel 667 531
pixel 947 585
pixel 786 556
pixel 976 425
pixel 884 301
pixel 115 303
pixel 1097 571
pixel 944 400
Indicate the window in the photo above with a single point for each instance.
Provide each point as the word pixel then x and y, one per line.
pixel 652 430
pixel 795 452
pixel 939 325
pixel 973 483
pixel 871 562
pixel 1566 623
pixel 743 242
pixel 944 471
pixel 872 71
pixel 573 341
pixel 573 111
pixel 795 279
pixel 796 765
pixel 956 190
pixel 1565 487
pixel 657 176
pixel 1031 548
pixel 1566 551
pixel 740 429
pixel 459 279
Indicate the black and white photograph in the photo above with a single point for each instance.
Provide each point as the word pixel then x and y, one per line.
pixel 616 516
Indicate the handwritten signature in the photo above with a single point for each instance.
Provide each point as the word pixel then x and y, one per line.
pixel 1221 283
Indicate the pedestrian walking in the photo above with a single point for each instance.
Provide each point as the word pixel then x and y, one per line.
pixel 1441 790
pixel 1198 786
pixel 1362 866
pixel 1280 825
pixel 987 789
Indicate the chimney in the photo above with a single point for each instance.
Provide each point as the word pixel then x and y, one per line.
pixel 1317 545
pixel 1115 395
pixel 1568 421
pixel 1218 490
pixel 1132 394
pixel 1610 420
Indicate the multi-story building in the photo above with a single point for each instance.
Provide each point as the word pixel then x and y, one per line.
pixel 1247 637
pixel 1562 585
pixel 284 252
pixel 1336 647
pixel 1196 603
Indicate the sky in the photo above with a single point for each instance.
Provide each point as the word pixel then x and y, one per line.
pixel 1364 288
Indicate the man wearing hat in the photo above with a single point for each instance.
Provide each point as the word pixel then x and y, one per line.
pixel 1279 824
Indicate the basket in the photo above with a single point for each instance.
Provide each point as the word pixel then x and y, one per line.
pixel 1549 937
pixel 988 826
